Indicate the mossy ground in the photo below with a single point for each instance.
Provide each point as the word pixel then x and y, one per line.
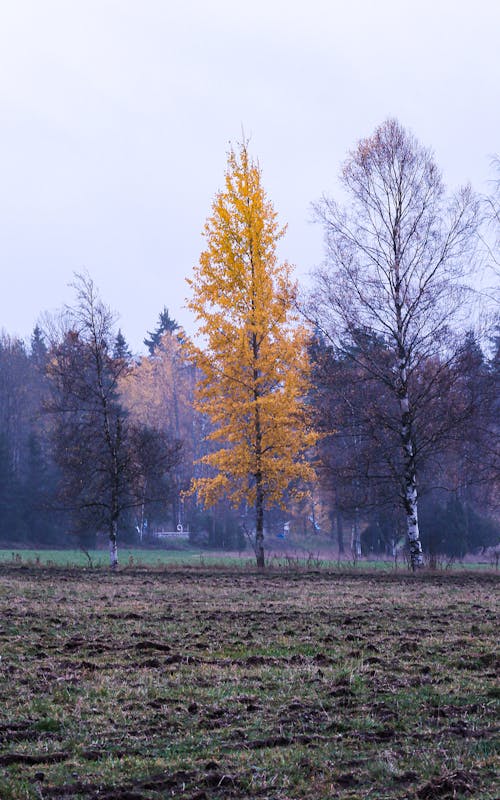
pixel 199 683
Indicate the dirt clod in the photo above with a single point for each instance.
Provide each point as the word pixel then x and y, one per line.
pixel 449 785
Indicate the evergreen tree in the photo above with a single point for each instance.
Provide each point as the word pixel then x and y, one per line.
pixel 42 522
pixel 11 529
pixel 38 350
pixel 165 325
pixel 121 349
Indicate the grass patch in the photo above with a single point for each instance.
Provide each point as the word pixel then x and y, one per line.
pixel 129 557
pixel 292 559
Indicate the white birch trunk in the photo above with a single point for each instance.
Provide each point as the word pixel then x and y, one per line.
pixel 113 551
pixel 409 475
pixel 410 485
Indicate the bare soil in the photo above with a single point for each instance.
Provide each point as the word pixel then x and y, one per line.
pixel 193 683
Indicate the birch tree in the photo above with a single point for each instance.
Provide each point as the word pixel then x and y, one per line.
pixel 89 435
pixel 396 259
pixel 491 237
pixel 105 457
pixel 252 355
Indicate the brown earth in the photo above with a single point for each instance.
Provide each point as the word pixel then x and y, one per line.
pixel 231 684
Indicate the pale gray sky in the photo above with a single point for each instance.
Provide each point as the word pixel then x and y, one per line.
pixel 115 119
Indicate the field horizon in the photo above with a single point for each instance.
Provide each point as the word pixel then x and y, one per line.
pixel 289 557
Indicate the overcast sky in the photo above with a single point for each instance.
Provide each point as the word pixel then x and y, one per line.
pixel 116 116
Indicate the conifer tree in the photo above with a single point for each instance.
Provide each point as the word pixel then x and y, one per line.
pixel 121 350
pixel 253 362
pixel 165 325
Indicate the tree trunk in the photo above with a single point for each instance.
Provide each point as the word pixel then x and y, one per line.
pixel 113 547
pixel 141 528
pixel 259 525
pixel 259 490
pixel 409 473
pixel 410 487
pixel 340 532
pixel 355 538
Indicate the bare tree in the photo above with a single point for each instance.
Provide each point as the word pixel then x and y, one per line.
pixel 396 260
pixel 89 422
pixel 109 464
pixel 492 218
pixel 490 239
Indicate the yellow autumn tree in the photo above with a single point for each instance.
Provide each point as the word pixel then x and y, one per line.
pixel 157 393
pixel 253 357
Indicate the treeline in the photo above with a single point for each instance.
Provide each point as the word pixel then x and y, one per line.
pixel 456 413
pixel 56 470
pixel 93 439
pixel 366 411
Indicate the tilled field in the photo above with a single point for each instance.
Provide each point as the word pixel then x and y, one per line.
pixel 228 684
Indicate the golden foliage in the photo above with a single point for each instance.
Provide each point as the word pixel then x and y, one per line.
pixel 157 392
pixel 253 359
